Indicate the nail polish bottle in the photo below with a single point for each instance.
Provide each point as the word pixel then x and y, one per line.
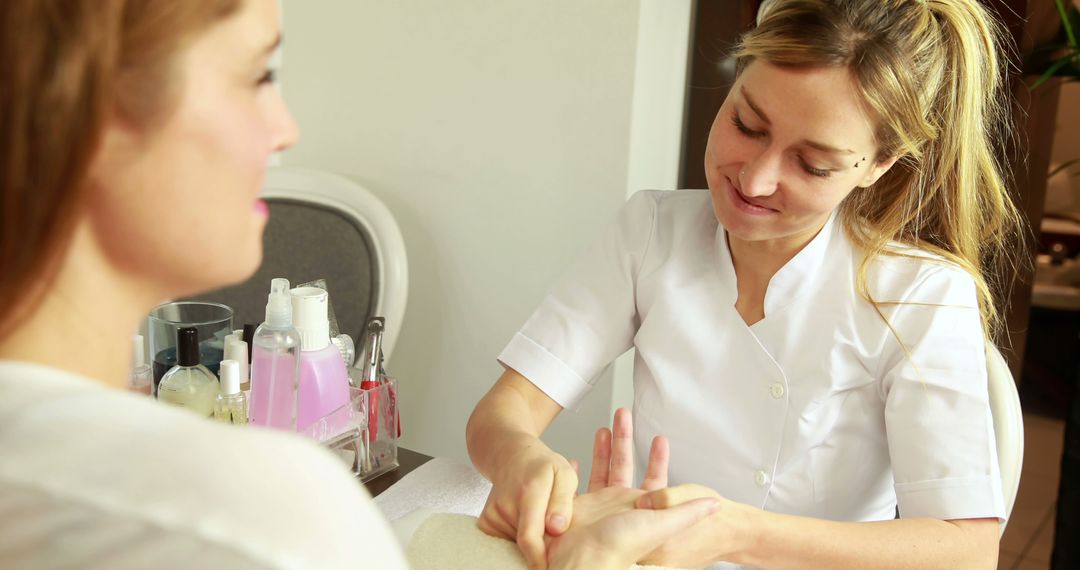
pixel 236 349
pixel 231 406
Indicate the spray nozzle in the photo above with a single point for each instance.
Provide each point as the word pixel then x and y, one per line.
pixel 279 305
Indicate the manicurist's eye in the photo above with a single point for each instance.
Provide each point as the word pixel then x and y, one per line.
pixel 819 172
pixel 745 130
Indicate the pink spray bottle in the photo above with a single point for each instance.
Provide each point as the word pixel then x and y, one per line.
pixel 323 397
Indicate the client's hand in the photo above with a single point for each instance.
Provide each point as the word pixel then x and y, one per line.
pixel 709 541
pixel 613 457
pixel 610 496
pixel 619 540
pixel 612 472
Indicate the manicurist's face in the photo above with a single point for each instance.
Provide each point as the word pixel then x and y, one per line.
pixel 177 202
pixel 787 146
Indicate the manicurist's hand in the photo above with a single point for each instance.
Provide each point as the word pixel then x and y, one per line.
pixel 532 494
pixel 532 486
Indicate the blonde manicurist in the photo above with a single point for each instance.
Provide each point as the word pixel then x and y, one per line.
pixel 809 330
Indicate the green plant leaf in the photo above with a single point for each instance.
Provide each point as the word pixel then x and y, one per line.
pixel 1046 75
pixel 1065 166
pixel 1065 20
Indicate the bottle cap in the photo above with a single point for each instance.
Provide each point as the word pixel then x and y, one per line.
pixel 237 350
pixel 279 310
pixel 138 351
pixel 187 346
pixel 310 306
pixel 230 377
pixel 344 343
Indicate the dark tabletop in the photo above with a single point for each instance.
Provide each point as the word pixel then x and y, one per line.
pixel 408 460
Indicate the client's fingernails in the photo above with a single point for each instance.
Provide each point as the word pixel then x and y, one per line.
pixel 645 502
pixel 558 522
pixel 712 507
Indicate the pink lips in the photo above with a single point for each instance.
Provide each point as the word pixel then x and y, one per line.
pixel 748 205
pixel 261 208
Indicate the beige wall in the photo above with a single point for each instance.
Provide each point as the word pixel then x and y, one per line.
pixel 497 132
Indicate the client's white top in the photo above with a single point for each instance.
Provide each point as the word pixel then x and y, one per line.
pixel 97 478
pixel 815 410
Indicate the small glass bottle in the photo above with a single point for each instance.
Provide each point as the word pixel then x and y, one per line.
pixel 142 378
pixel 231 406
pixel 236 349
pixel 189 384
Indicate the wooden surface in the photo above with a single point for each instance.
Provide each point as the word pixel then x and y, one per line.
pixel 717 26
pixel 409 460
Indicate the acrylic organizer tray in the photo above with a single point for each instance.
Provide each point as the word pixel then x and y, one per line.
pixel 365 434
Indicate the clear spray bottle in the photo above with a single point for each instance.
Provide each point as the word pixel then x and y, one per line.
pixel 275 363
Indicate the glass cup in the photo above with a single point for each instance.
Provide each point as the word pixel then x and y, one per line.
pixel 212 320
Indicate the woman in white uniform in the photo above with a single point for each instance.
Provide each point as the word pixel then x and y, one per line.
pixel 810 330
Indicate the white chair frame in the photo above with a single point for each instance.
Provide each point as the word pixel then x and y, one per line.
pixel 1008 425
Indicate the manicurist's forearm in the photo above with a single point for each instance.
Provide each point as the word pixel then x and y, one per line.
pixel 507 417
pixel 497 425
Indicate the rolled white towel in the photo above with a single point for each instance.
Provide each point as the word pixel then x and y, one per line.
pixel 446 541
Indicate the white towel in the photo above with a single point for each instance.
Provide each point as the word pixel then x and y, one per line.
pixel 452 541
pixel 441 485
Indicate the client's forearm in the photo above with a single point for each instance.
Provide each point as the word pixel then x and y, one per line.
pixel 784 541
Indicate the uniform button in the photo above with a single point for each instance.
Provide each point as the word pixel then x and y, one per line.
pixel 777 390
pixel 761 477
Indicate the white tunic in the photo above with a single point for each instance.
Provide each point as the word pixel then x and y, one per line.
pixel 98 478
pixel 815 410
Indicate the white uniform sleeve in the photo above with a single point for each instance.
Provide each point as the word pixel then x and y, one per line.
pixel 589 318
pixel 937 414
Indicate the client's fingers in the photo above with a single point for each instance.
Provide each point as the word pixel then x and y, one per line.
pixel 601 460
pixel 622 450
pixel 656 474
pixel 673 496
pixel 665 524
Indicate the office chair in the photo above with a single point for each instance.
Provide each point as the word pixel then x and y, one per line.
pixel 324 226
pixel 1008 424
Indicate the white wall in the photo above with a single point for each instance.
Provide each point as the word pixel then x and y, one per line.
pixel 498 133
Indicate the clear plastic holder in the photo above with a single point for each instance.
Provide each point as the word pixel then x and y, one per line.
pixel 369 445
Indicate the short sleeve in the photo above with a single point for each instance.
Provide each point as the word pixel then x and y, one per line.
pixel 937 411
pixel 589 317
